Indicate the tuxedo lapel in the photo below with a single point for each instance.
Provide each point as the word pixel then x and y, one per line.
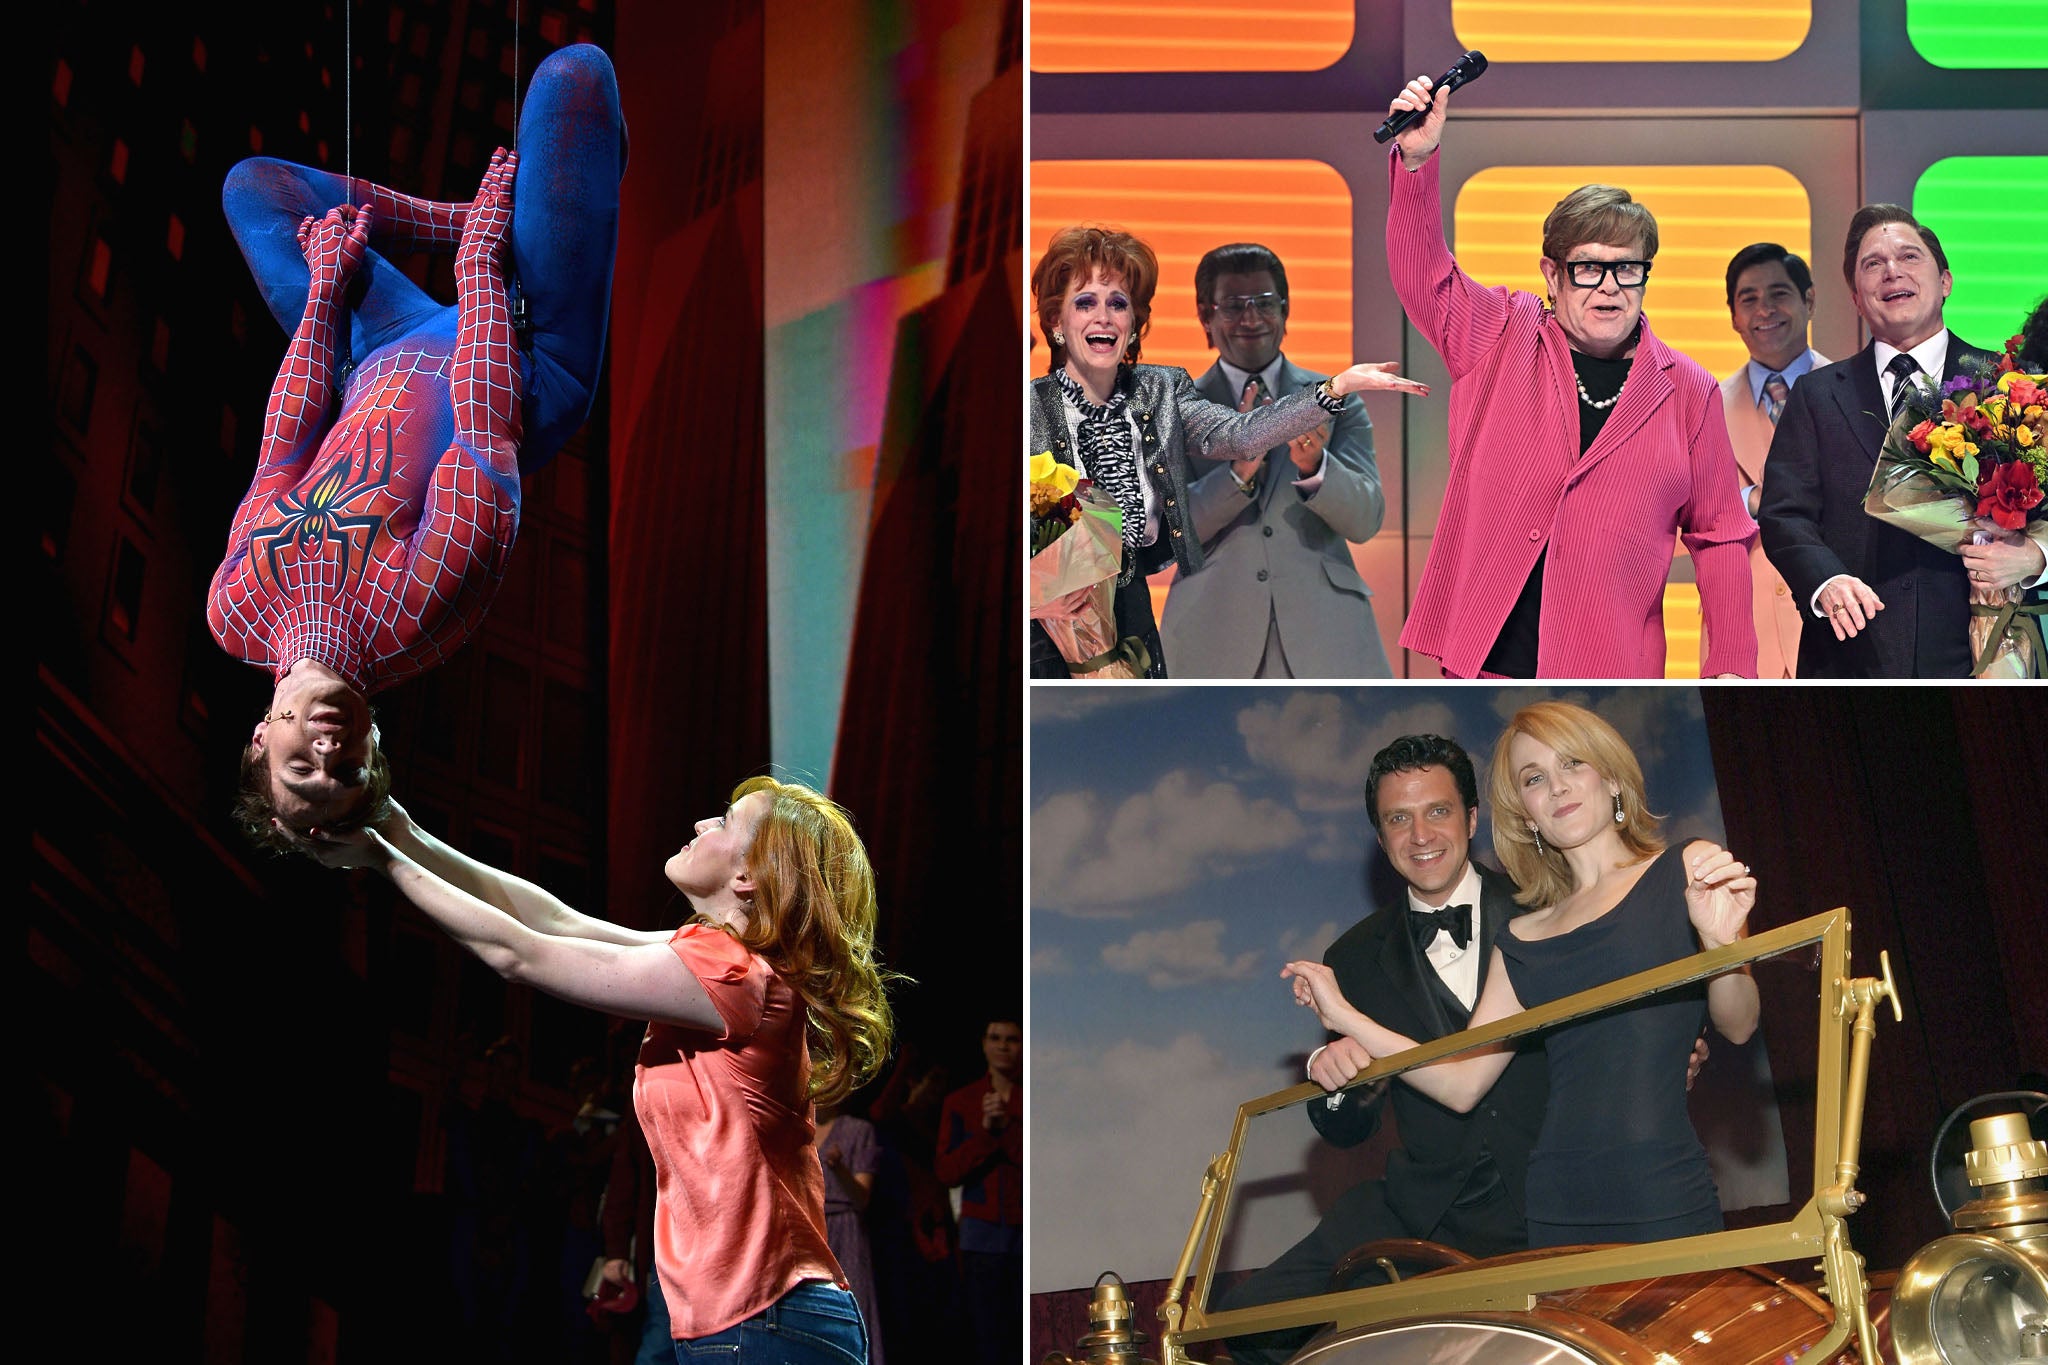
pixel 1413 979
pixel 1496 908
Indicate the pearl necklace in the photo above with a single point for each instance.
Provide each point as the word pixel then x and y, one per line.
pixel 1587 398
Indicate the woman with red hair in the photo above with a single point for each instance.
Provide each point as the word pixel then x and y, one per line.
pixel 768 1000
pixel 1133 428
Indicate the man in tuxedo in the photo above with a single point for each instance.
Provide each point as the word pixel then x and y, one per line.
pixel 1770 306
pixel 1277 595
pixel 1456 1178
pixel 1894 606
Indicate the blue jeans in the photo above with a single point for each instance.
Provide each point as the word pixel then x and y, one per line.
pixel 813 1324
pixel 655 1341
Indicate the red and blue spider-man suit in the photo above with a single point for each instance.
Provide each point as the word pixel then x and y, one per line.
pixel 374 537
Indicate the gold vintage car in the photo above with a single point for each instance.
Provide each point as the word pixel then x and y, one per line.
pixel 1976 1297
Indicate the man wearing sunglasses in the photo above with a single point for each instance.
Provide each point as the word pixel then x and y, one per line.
pixel 1278 595
pixel 1580 444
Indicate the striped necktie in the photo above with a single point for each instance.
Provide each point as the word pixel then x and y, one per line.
pixel 1902 368
pixel 1776 391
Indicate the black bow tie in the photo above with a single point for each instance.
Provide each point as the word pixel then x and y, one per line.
pixel 1455 920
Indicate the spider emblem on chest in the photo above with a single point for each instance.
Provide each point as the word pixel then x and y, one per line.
pixel 310 518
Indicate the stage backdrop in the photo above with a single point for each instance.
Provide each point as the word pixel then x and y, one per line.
pixel 1192 125
pixel 1182 848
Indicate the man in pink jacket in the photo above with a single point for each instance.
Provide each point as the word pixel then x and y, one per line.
pixel 1579 444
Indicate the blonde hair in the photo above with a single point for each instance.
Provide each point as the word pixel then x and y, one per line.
pixel 1544 878
pixel 813 919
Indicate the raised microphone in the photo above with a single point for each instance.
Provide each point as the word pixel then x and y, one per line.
pixel 1467 68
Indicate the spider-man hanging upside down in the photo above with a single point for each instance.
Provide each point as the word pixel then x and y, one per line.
pixel 386 496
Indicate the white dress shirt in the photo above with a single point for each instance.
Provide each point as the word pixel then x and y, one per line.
pixel 1459 967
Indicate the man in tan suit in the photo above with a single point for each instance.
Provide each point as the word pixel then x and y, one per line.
pixel 1770 304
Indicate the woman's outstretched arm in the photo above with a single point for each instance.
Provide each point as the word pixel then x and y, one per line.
pixel 643 980
pixel 1459 1082
pixel 533 906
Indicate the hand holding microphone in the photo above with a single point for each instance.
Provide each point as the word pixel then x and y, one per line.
pixel 1416 115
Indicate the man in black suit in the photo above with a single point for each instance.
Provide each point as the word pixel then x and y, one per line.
pixel 1457 1178
pixel 1897 606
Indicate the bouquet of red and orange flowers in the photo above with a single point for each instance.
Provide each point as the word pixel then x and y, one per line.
pixel 1966 463
pixel 1076 554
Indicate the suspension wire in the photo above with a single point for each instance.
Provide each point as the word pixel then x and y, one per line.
pixel 348 164
pixel 522 322
pixel 348 95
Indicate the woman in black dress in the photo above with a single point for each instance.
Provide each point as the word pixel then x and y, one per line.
pixel 1617 1159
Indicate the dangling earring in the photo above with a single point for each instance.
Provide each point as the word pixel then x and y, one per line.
pixel 1539 838
pixel 1619 818
pixel 1058 337
pixel 1131 351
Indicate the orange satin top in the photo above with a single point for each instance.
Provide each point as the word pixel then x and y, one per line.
pixel 739 1213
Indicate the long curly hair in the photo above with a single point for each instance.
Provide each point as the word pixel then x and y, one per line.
pixel 1545 878
pixel 813 919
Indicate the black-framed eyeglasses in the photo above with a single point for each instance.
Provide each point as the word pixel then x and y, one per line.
pixel 1627 274
pixel 1266 305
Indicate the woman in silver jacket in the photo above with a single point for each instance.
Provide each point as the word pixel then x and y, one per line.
pixel 1133 428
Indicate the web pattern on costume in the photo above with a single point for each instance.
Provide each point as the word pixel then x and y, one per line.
pixel 377 545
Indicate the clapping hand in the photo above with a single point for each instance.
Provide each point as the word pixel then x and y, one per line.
pixel 1307 450
pixel 1719 893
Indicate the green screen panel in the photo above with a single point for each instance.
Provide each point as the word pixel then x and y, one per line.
pixel 1971 34
pixel 1986 210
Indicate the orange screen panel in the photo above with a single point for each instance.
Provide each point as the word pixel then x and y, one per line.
pixel 1630 31
pixel 1189 35
pixel 1182 209
pixel 1705 214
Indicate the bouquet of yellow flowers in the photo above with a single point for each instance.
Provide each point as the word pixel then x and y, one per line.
pixel 1076 553
pixel 1966 463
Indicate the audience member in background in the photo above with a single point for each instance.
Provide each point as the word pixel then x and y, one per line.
pixel 981 1149
pixel 848 1151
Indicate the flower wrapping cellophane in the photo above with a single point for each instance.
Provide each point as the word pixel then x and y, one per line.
pixel 1088 555
pixel 1910 500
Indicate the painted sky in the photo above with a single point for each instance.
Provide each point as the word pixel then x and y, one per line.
pixel 1185 842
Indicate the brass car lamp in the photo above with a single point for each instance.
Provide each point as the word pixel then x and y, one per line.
pixel 1980 1296
pixel 1114 1341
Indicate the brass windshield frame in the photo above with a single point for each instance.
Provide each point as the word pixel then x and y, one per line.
pixel 1514 1287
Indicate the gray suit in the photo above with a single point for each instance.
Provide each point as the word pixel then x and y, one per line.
pixel 1280 560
